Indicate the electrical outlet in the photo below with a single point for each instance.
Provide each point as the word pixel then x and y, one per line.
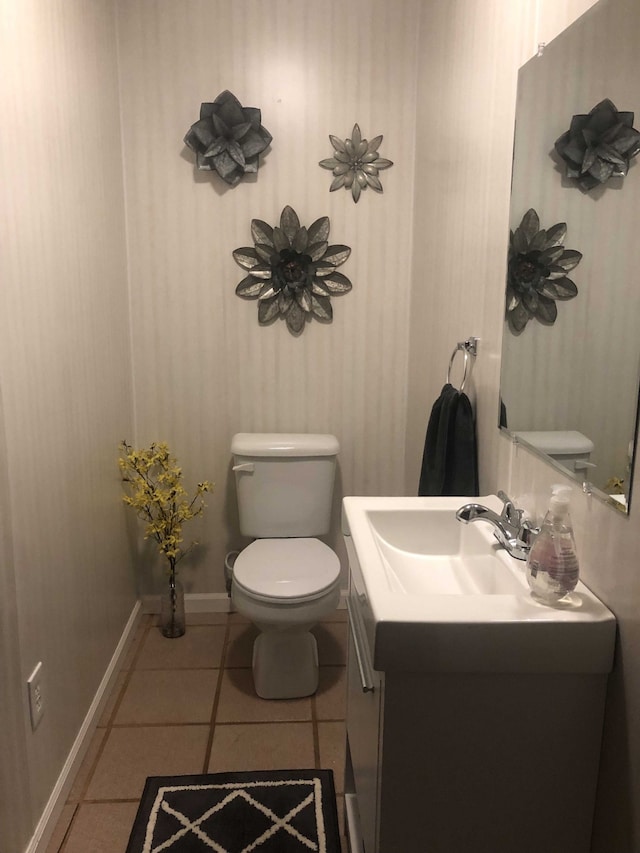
pixel 36 696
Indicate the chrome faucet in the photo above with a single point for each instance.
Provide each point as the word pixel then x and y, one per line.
pixel 511 531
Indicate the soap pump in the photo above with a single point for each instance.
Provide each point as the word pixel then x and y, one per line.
pixel 552 564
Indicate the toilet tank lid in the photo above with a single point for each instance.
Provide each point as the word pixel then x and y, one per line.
pixel 558 441
pixel 284 444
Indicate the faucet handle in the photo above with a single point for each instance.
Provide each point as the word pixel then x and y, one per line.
pixel 509 511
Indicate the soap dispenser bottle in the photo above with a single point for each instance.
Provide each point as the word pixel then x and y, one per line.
pixel 552 565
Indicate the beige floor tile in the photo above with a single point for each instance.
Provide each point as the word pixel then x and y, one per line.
pixel 132 754
pixel 107 711
pixel 265 746
pixel 101 828
pixel 86 768
pixel 200 647
pixel 240 704
pixel 332 740
pixel 332 643
pixel 168 696
pixel 331 696
pixel 240 645
pixel 61 828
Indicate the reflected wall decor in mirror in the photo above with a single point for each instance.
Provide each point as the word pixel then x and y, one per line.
pixel 576 382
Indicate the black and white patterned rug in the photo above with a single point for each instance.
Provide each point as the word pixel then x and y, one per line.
pixel 287 811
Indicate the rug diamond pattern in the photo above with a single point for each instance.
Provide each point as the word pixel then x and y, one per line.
pixel 178 830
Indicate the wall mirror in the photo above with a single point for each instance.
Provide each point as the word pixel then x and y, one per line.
pixel 580 375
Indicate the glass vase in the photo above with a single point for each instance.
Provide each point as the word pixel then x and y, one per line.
pixel 172 618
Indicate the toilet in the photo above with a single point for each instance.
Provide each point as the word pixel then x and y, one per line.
pixel 286 580
pixel 570 448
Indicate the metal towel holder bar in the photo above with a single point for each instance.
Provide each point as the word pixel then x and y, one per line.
pixel 470 350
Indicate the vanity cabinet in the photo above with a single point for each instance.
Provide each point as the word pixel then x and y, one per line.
pixel 465 762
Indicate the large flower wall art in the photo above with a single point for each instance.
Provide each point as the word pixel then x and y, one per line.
pixel 537 272
pixel 598 145
pixel 228 138
pixel 356 163
pixel 292 271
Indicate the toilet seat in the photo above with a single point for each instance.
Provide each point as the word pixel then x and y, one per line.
pixel 286 571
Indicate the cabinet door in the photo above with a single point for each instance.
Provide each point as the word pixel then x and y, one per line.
pixel 364 701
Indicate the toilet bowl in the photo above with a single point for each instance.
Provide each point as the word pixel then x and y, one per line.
pixel 287 579
pixel 285 586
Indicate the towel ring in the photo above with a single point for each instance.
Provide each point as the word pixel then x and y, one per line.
pixel 469 349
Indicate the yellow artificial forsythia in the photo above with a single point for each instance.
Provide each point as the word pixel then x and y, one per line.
pixel 156 493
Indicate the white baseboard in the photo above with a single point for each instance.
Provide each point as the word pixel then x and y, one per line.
pixel 207 602
pixel 53 809
pixel 194 602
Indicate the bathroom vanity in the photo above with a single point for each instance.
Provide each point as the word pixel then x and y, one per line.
pixel 474 714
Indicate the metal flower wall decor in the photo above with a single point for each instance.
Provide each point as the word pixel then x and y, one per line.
pixel 228 138
pixel 292 271
pixel 355 163
pixel 537 272
pixel 599 145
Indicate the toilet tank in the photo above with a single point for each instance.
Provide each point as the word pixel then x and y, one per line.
pixel 284 483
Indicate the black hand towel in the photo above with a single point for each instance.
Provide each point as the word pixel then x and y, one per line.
pixel 450 459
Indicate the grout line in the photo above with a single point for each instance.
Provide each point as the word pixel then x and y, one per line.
pixel 263 722
pixel 216 698
pixel 316 735
pixel 162 725
pixel 129 672
pixel 176 668
pixel 112 801
pixel 67 831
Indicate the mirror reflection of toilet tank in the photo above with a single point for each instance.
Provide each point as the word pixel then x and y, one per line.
pixel 569 448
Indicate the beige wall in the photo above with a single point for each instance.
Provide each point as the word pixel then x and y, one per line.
pixel 16 813
pixel 203 368
pixel 65 381
pixel 438 80
pixel 469 57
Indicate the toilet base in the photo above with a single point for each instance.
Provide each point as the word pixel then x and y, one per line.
pixel 285 664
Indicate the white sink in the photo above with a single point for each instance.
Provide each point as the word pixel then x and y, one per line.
pixel 429 552
pixel 434 593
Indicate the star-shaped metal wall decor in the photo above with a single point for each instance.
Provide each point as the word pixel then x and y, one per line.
pixel 356 163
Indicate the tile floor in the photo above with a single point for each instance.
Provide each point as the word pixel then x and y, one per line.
pixel 188 706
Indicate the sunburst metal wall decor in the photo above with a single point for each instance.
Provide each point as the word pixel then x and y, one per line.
pixel 355 163
pixel 292 271
pixel 228 138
